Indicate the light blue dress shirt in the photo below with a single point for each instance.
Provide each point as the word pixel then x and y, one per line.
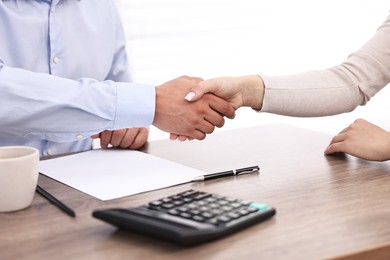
pixel 63 68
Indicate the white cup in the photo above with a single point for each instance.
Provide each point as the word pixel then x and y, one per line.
pixel 18 177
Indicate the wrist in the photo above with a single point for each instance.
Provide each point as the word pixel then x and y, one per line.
pixel 253 91
pixel 157 106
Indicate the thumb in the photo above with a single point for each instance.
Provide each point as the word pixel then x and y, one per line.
pixel 198 91
pixel 95 136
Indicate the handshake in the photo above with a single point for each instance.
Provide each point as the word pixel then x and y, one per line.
pixel 189 108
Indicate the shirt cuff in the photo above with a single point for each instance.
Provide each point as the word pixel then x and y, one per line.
pixel 135 105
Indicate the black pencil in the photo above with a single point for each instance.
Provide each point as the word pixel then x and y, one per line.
pixel 56 202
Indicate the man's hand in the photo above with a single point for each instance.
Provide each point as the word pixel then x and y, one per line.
pixel 363 140
pixel 195 119
pixel 130 138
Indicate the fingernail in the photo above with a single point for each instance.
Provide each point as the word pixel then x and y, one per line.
pixel 189 96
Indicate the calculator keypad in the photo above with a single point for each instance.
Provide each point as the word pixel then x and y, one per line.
pixel 206 207
pixel 188 218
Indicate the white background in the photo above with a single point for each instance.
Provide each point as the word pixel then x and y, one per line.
pixel 211 38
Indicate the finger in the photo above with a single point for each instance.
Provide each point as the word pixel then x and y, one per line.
pixel 336 144
pixel 140 139
pixel 117 137
pixel 193 79
pixel 205 127
pixel 198 135
pixel 335 148
pixel 127 138
pixel 105 138
pixel 173 137
pixel 215 119
pixel 338 138
pixel 221 106
pixel 196 79
pixel 95 136
pixel 182 138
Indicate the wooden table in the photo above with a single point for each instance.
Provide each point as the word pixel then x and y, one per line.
pixel 327 206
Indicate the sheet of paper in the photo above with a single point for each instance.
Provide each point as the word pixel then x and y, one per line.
pixel 110 174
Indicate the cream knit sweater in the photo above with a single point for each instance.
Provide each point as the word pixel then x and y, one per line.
pixel 334 90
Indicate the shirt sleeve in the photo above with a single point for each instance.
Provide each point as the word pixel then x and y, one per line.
pixel 334 90
pixel 43 106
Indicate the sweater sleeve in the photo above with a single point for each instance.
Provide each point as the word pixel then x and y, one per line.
pixel 334 90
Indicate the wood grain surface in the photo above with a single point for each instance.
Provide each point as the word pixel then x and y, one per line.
pixel 328 207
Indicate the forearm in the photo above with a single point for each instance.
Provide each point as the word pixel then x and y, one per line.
pixel 42 106
pixel 313 93
pixel 335 90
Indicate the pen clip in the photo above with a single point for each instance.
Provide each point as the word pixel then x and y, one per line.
pixel 246 170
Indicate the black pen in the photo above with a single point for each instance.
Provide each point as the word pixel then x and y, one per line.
pixel 55 201
pixel 227 173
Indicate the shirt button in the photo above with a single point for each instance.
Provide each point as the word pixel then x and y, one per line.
pixel 49 152
pixel 79 136
pixel 56 60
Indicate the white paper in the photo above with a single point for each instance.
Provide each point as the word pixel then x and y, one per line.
pixel 111 174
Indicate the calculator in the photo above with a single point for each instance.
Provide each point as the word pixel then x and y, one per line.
pixel 188 218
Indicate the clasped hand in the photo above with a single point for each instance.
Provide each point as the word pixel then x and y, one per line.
pixel 190 120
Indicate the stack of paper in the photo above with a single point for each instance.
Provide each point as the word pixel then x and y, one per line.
pixel 110 174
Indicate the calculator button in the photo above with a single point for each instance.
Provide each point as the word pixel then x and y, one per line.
pixel 173 212
pixel 155 204
pixel 226 208
pixel 201 203
pixel 195 212
pixel 178 202
pixel 207 215
pixel 230 199
pixel 204 208
pixel 223 202
pixel 243 212
pixel 223 219
pixel 233 215
pixel 213 221
pixel 236 205
pixel 213 205
pixel 167 205
pixel 187 200
pixel 211 199
pixel 251 210
pixel 188 193
pixel 201 196
pixel 166 200
pixel 258 206
pixel 192 206
pixel 198 218
pixel 185 215
pixel 183 209
pixel 216 211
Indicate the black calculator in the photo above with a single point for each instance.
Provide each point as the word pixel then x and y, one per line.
pixel 188 218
